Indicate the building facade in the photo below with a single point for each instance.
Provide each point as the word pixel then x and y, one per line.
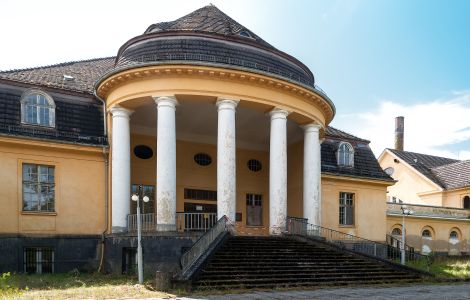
pixel 437 189
pixel 200 115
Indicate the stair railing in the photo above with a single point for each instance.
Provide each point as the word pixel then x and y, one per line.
pixel 300 226
pixel 201 246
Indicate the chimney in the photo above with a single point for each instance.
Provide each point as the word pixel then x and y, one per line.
pixel 399 132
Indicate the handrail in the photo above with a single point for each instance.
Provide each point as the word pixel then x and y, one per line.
pixel 299 226
pixel 195 221
pixel 203 243
pixel 396 243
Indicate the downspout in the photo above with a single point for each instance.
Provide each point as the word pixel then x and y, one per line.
pixel 106 190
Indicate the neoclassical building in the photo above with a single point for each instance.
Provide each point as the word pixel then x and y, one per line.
pixel 201 116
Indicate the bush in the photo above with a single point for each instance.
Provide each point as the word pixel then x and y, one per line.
pixel 5 287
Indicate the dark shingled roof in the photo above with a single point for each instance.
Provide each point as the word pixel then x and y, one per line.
pixel 333 132
pixel 84 72
pixel 365 162
pixel 207 36
pixel 439 170
pixel 453 176
pixel 208 19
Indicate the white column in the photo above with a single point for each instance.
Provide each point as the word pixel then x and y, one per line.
pixel 278 171
pixel 121 168
pixel 226 159
pixel 312 174
pixel 166 163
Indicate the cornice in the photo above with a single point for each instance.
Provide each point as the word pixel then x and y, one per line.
pixel 161 71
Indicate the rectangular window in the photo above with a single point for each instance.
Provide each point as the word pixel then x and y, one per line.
pixel 38 260
pixel 346 208
pixel 254 209
pixel 194 194
pixel 38 188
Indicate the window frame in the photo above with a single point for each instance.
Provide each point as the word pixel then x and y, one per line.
pixel 39 260
pixel 466 200
pixel 39 188
pixel 51 107
pixel 345 158
pixel 342 215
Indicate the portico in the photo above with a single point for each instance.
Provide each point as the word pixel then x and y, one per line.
pixel 264 131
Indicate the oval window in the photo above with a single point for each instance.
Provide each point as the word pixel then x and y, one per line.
pixel 203 159
pixel 143 152
pixel 254 165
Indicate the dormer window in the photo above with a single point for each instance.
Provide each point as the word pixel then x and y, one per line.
pixel 345 155
pixel 245 34
pixel 37 108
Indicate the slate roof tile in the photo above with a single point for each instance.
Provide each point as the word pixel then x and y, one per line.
pixel 84 72
pixel 446 172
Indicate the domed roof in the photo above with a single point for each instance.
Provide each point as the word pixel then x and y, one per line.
pixel 207 19
pixel 209 37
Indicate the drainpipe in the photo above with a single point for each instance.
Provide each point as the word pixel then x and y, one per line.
pixel 106 190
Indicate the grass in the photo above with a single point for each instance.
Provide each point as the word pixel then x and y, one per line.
pixel 446 267
pixel 73 286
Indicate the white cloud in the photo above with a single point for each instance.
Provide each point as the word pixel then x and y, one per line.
pixel 429 127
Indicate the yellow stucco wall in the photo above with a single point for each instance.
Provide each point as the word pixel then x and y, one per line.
pixel 191 175
pixel 440 229
pixel 369 207
pixel 454 198
pixel 409 183
pixel 79 191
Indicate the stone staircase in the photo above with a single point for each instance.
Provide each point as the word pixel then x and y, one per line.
pixel 246 262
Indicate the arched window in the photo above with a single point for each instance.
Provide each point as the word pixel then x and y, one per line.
pixel 396 231
pixel 454 235
pixel 466 202
pixel 426 234
pixel 345 155
pixel 37 108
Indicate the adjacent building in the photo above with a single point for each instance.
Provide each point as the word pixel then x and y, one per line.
pixel 437 189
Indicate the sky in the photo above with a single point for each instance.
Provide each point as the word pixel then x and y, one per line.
pixel 376 59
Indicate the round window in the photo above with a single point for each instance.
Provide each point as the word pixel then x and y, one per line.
pixel 203 159
pixel 254 165
pixel 143 152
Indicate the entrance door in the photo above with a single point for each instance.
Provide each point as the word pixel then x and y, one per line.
pixel 254 209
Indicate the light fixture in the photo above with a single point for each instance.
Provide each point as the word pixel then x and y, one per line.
pixel 146 199
pixel 135 197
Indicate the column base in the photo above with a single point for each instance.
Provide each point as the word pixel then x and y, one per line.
pixel 166 227
pixel 276 230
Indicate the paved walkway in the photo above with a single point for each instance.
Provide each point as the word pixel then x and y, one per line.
pixel 420 292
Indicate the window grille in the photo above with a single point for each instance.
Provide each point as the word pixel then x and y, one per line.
pixel 254 165
pixel 195 194
pixel 38 260
pixel 203 159
pixel 345 155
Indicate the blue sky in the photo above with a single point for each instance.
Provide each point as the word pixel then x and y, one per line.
pixel 374 58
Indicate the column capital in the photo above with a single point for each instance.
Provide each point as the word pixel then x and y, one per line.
pixel 278 113
pixel 311 127
pixel 168 101
pixel 118 111
pixel 224 103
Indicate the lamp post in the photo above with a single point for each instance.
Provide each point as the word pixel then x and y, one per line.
pixel 140 266
pixel 405 212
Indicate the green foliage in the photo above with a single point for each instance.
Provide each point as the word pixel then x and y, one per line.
pixel 5 287
pixel 445 267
